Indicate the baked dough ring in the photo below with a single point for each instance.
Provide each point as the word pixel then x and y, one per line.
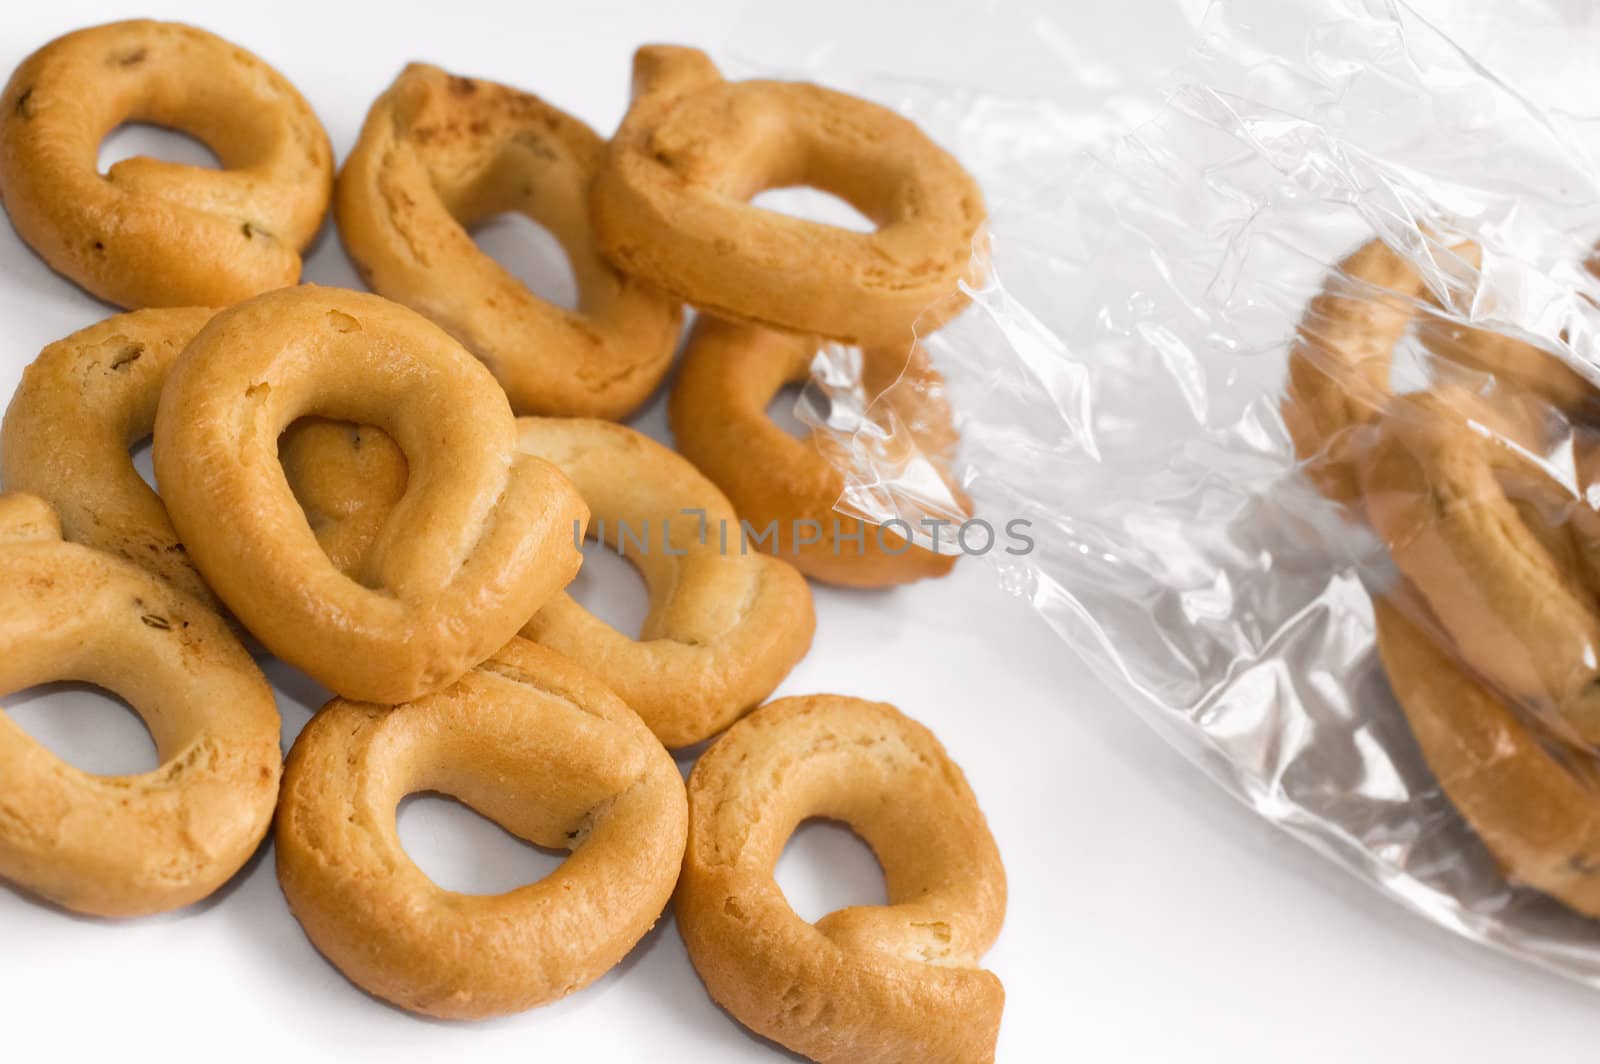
pixel 1339 362
pixel 1538 814
pixel 439 154
pixel 148 232
pixel 536 744
pixel 481 539
pixel 670 204
pixel 718 413
pixel 1496 549
pixel 127 845
pixel 724 627
pixel 867 984
pixel 90 397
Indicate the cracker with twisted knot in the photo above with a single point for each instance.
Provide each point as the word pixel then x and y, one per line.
pixel 1491 640
pixel 1502 554
pixel 725 626
pixel 147 843
pixel 1343 351
pixel 718 411
pixel 530 740
pixel 481 538
pixel 152 233
pixel 895 983
pixel 1535 806
pixel 439 154
pixel 671 203
pixel 89 397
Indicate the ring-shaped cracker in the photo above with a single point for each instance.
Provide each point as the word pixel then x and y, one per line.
pixel 894 983
pixel 91 396
pixel 718 413
pixel 536 744
pixel 480 540
pixel 127 845
pixel 1500 552
pixel 724 626
pixel 152 233
pixel 1536 812
pixel 439 154
pixel 1343 350
pixel 671 203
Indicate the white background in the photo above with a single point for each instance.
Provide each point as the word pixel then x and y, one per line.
pixel 1150 917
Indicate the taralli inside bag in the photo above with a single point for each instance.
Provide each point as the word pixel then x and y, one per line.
pixel 1295 387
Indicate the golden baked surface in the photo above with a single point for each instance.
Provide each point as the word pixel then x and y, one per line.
pixel 151 233
pixel 482 537
pixel 536 744
pixel 439 154
pixel 671 204
pixel 724 627
pixel 718 413
pixel 90 397
pixel 869 984
pixel 127 845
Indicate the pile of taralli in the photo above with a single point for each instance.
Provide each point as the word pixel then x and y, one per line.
pixel 345 482
pixel 1488 625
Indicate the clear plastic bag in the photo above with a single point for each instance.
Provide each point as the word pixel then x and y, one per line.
pixel 1121 383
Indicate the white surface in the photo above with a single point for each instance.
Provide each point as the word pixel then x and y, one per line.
pixel 1150 918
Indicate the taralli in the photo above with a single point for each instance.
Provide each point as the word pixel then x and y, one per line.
pixel 1516 368
pixel 1339 364
pixel 1538 814
pixel 1497 550
pixel 90 397
pixel 480 540
pixel 887 984
pixel 784 488
pixel 724 626
pixel 127 845
pixel 536 744
pixel 151 233
pixel 438 155
pixel 671 203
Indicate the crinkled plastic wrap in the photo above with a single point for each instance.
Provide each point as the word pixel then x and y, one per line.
pixel 1320 331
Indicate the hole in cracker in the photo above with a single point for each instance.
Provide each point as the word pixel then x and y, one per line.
pixel 86 726
pixel 781 411
pixel 155 142
pixel 463 851
pixel 814 205
pixel 143 455
pixel 531 254
pixel 608 585
pixel 827 867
